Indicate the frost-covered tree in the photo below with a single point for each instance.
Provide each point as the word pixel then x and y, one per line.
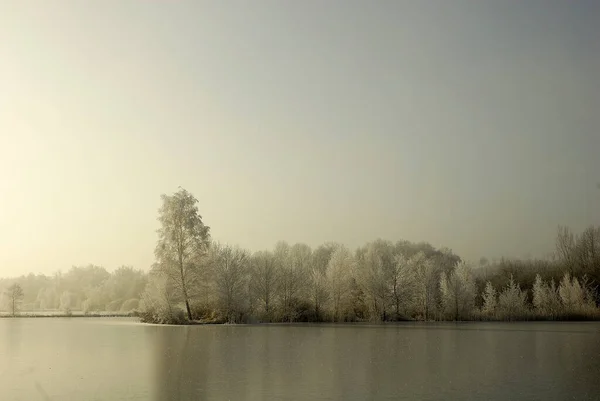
pixel 264 280
pixel 458 291
pixel 373 273
pixel 571 293
pixel 339 277
pixel 576 298
pixel 293 263
pixel 490 300
pixel 318 288
pixel 512 301
pixel 426 283
pixel 546 301
pixel 230 267
pixel 402 285
pixel 159 302
pixel 65 302
pixel 14 294
pixel 183 240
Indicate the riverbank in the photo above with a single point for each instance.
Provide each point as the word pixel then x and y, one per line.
pixel 63 314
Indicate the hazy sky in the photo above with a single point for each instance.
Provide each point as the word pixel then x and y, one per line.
pixel 469 124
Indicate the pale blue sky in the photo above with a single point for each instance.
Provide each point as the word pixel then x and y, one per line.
pixel 468 124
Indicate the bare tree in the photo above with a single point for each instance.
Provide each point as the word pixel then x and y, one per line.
pixel 339 278
pixel 15 296
pixel 293 263
pixel 565 248
pixel 373 279
pixel 318 287
pixel 402 284
pixel 229 265
pixel 183 240
pixel 264 279
pixel 588 249
pixel 458 291
pixel 426 282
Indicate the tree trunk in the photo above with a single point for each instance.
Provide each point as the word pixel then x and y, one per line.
pixel 187 307
pixel 456 307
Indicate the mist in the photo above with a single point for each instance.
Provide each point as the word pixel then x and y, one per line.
pixel 467 126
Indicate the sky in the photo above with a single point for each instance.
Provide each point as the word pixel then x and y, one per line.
pixel 468 124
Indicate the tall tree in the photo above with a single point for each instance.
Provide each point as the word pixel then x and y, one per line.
pixel 264 280
pixel 458 291
pixel 183 240
pixel 294 263
pixel 426 283
pixel 229 266
pixel 318 288
pixel 341 264
pixel 402 284
pixel 565 248
pixel 373 280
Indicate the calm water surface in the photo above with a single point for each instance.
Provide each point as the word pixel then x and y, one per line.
pixel 120 359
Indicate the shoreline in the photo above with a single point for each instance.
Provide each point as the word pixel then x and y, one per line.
pixel 134 314
pixel 35 315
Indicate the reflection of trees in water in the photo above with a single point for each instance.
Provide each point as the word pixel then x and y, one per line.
pixel 360 362
pixel 181 363
pixel 10 344
pixel 13 341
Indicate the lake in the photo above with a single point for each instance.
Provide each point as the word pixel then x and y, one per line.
pixel 120 359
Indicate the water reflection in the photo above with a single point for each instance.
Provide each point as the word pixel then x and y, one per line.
pixel 356 363
pixel 62 359
pixel 181 360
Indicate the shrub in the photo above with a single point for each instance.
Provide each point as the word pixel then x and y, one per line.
pixel 130 305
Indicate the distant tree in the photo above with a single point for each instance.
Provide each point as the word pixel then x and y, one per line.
pixel 15 296
pixel 183 241
pixel 565 248
pixel 65 302
pixel 130 305
pixel 125 283
pixel 588 250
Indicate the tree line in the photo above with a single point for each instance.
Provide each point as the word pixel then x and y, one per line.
pixel 85 288
pixel 196 278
